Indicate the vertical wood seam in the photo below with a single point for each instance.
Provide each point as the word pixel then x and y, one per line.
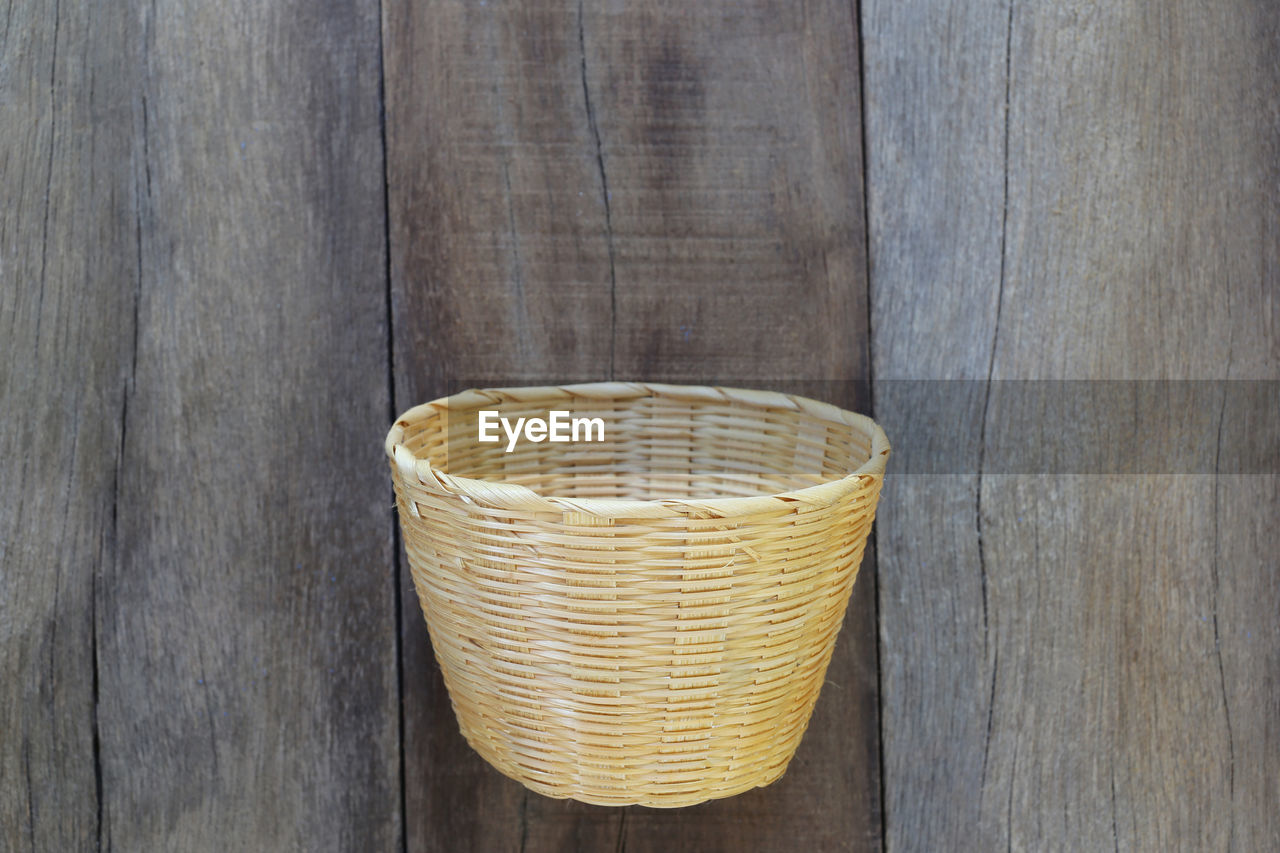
pixel 141 177
pixel 94 693
pixel 1008 819
pixel 93 585
pixel 397 572
pixel 48 184
pixel 31 794
pixel 1115 833
pixel 986 405
pixel 621 846
pixel 1217 645
pixel 870 373
pixel 604 193
pixel 137 202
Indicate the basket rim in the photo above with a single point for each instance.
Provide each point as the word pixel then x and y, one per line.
pixel 514 497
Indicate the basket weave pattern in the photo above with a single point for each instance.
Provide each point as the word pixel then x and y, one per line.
pixel 646 620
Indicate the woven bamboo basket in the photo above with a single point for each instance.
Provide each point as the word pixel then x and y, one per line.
pixel 646 619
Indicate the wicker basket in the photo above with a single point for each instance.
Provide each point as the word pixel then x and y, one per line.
pixel 645 620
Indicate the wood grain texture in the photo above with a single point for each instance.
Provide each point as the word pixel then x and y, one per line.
pixel 935 98
pixel 649 191
pixel 246 630
pixel 66 231
pixel 1091 663
pixel 500 274
pixel 730 137
pixel 197 620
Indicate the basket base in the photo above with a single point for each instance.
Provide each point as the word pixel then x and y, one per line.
pixel 675 796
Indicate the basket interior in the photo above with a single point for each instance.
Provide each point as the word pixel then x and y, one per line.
pixel 654 448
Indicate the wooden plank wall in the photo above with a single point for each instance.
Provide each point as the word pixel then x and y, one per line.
pixel 197 639
pixel 246 650
pixel 581 192
pixel 236 238
pixel 1076 191
pixel 66 349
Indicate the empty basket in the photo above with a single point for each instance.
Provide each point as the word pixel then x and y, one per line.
pixel 645 619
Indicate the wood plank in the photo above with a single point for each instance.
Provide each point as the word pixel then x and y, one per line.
pixel 655 191
pixel 500 275
pixel 935 96
pixel 67 228
pixel 731 139
pixel 1091 664
pixel 248 694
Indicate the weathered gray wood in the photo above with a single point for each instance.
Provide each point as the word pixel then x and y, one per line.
pixel 653 192
pixel 68 261
pixel 500 274
pixel 246 623
pixel 1075 662
pixel 1068 662
pixel 731 140
pixel 934 113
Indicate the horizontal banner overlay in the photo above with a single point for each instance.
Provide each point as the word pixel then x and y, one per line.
pixel 949 426
pixel 1081 426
